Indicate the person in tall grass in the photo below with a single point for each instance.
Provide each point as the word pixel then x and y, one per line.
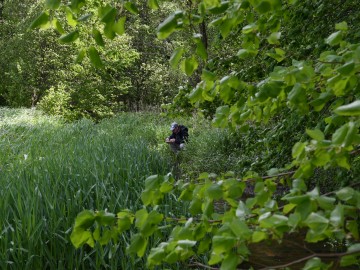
pixel 178 138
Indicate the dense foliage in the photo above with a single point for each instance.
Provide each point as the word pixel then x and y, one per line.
pixel 252 62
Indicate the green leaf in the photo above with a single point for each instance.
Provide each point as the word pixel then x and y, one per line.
pixel 218 9
pixel 95 58
pixel 153 182
pixel 226 27
pixel 334 38
pixel 326 203
pixel 298 149
pixel 109 15
pixel 339 135
pixel 243 53
pixel 214 192
pixel 211 3
pixel 240 229
pixel 315 264
pixel 351 259
pixel 58 26
pixel 109 30
pixel 70 37
pixel 341 26
pixel 345 194
pixel 98 37
pixel 119 26
pixel 52 4
pixel 223 243
pixel 131 7
pixel 347 68
pixel 105 218
pixel 201 50
pixel 79 237
pixel 274 38
pixel 76 5
pixel 124 221
pixel 250 28
pixel 70 18
pixel 84 219
pixel 176 56
pixel 189 65
pixel 153 4
pixel 288 207
pixel 263 7
pixel 166 187
pixel 317 222
pixel 353 228
pixel 84 17
pixel 167 27
pixel 208 75
pixel 352 109
pixel 315 134
pixel 230 262
pixel 348 260
pixel 41 21
pixel 337 216
pixel 259 236
pixel 80 56
pixel 186 243
pixel 138 245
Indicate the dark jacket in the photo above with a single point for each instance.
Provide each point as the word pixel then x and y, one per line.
pixel 182 136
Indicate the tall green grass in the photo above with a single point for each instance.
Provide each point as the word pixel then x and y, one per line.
pixel 51 170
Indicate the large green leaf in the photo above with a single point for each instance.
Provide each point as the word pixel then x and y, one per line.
pixel 95 58
pixel 70 37
pixel 334 38
pixel 85 219
pixel 124 222
pixel 98 37
pixel 109 15
pixel 52 4
pixel 167 27
pixel 352 109
pixel 189 65
pixel 57 25
pixel 263 7
pixel 76 5
pixel 138 245
pixel 176 56
pixel 131 7
pixel 80 56
pixel 80 236
pixel 119 26
pixel 230 262
pixel 153 4
pixel 41 21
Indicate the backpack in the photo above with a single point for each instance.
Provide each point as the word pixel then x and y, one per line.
pixel 185 132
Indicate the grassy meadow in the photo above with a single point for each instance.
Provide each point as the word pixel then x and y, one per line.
pixel 51 170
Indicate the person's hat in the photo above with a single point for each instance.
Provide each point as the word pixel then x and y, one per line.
pixel 173 126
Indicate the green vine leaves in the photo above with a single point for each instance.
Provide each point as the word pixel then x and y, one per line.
pixel 224 234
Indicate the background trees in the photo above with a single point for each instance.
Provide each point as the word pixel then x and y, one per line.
pixel 135 75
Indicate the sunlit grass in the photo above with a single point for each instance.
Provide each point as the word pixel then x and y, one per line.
pixel 51 170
